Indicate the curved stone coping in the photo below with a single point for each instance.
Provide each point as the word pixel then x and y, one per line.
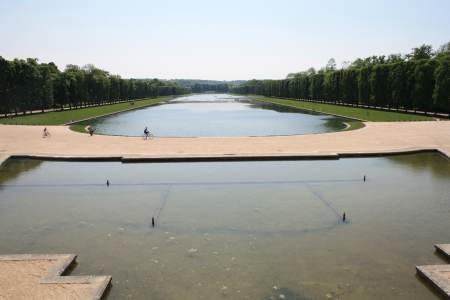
pixel 115 112
pixel 221 157
pixel 444 116
pixel 166 99
pixel 346 128
pixel 55 283
pixel 308 109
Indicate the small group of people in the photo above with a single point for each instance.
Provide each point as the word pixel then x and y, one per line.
pixel 90 130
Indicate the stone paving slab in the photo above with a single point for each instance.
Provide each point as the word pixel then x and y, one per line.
pixel 39 276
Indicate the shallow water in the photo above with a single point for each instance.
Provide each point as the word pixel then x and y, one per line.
pixel 216 115
pixel 236 230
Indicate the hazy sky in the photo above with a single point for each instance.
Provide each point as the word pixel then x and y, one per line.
pixel 216 39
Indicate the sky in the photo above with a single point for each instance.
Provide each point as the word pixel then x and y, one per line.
pixel 218 40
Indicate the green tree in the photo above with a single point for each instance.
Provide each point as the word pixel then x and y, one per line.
pixel 5 85
pixel 398 79
pixel 349 85
pixel 424 85
pixel 379 85
pixel 422 52
pixel 441 94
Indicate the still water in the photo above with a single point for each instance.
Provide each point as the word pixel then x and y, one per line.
pixel 235 230
pixel 216 115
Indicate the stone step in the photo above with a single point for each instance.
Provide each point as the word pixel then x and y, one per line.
pixel 443 249
pixel 438 275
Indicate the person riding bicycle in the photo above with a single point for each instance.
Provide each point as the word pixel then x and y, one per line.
pixel 146 132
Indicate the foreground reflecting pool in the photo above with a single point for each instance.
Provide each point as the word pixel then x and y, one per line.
pixel 236 230
pixel 216 115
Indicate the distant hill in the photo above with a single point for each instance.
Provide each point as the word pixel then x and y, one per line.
pixel 191 82
pixel 199 86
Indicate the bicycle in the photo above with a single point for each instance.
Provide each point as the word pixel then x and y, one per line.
pixel 148 135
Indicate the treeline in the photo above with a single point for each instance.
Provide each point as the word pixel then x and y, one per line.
pixel 26 85
pixel 416 81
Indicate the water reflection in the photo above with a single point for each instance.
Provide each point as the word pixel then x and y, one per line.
pixel 13 168
pixel 430 163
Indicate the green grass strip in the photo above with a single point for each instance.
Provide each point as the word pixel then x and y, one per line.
pixel 78 128
pixel 353 125
pixel 364 114
pixel 66 116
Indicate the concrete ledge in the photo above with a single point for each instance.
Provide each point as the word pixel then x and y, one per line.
pixel 438 276
pixel 221 157
pixel 443 249
pixel 66 157
pixel 3 159
pixel 39 276
pixel 227 157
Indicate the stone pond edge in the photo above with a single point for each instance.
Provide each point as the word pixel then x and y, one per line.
pixel 218 157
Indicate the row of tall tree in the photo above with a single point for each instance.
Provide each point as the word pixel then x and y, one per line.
pixel 26 85
pixel 416 81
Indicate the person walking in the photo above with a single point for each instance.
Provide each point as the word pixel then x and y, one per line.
pixel 91 130
pixel 46 133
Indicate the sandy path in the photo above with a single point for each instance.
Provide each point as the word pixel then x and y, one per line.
pixel 375 137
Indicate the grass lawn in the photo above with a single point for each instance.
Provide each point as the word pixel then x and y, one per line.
pixel 363 114
pixel 66 116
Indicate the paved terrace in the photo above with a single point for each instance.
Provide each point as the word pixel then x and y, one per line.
pixel 375 138
pixel 35 276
